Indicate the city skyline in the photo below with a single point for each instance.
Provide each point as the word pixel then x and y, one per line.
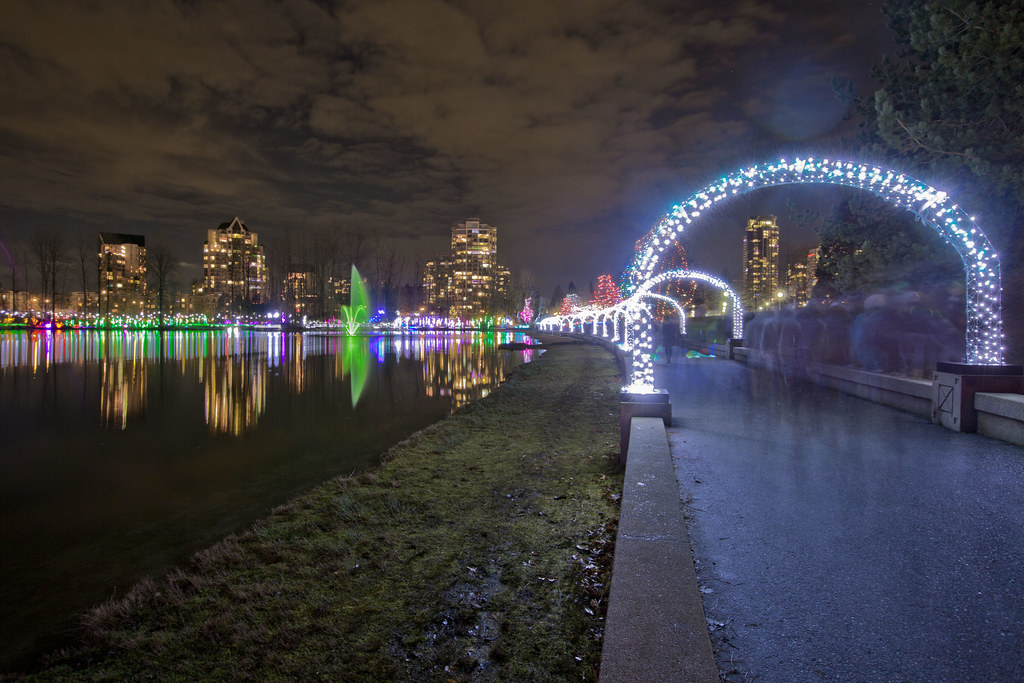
pixel 470 273
pixel 573 127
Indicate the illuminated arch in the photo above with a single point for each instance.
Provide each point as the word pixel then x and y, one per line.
pixel 697 276
pixel 675 304
pixel 642 376
pixel 934 208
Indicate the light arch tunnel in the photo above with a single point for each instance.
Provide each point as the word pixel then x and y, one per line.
pixel 617 316
pixel 934 208
pixel 636 318
pixel 983 288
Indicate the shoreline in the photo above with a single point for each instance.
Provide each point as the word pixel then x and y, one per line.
pixel 440 562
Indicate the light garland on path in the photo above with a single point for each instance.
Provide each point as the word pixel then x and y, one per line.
pixel 984 335
pixel 637 336
pixel 642 376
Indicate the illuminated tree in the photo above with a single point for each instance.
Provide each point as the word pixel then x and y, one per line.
pixel 526 315
pixel 571 303
pixel 608 293
pixel 673 258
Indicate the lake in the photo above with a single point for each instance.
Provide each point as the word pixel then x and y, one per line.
pixel 122 453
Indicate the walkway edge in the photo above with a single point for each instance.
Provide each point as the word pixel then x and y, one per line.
pixel 655 629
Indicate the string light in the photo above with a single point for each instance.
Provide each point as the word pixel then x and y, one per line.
pixel 984 335
pixel 637 317
pixel 673 258
pixel 526 314
pixel 607 293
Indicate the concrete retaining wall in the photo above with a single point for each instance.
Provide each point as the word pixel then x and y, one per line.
pixel 1001 416
pixel 655 629
pixel 908 394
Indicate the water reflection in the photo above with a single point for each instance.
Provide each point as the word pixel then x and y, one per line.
pixel 122 453
pixel 235 392
pixel 235 365
pixel 122 391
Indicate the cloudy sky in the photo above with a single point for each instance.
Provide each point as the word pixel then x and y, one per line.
pixel 572 125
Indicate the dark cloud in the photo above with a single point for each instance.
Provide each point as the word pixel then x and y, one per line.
pixel 571 125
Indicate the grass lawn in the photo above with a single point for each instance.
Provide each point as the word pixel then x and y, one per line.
pixel 479 550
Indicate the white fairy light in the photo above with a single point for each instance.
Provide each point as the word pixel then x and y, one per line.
pixel 637 336
pixel 934 208
pixel 984 335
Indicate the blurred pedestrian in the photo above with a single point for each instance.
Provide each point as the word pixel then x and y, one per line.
pixel 669 335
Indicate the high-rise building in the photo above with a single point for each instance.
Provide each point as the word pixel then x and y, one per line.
pixel 812 269
pixel 470 282
pixel 502 283
pixel 299 292
pixel 122 273
pixel 234 267
pixel 801 278
pixel 760 263
pixel 797 291
pixel 474 268
pixel 437 285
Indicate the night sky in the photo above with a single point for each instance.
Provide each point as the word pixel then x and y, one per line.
pixel 571 125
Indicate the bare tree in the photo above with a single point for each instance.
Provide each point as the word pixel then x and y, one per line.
pixel 279 263
pixel 353 248
pixel 323 263
pixel 160 269
pixel 11 260
pixel 18 261
pixel 388 266
pixel 86 255
pixel 50 253
pixel 418 269
pixel 521 285
pixel 42 262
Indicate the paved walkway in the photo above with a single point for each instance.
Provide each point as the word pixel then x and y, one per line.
pixel 836 539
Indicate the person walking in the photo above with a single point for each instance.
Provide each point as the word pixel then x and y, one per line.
pixel 669 335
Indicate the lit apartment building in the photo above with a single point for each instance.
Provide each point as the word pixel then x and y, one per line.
pixel 122 273
pixel 299 291
pixel 812 269
pixel 474 268
pixel 437 285
pixel 801 278
pixel 234 267
pixel 760 263
pixel 469 283
pixel 797 291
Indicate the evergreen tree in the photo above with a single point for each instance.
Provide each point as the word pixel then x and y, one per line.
pixel 555 305
pixel 869 245
pixel 952 104
pixel 951 109
pixel 607 293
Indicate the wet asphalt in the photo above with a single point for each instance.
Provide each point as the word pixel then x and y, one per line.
pixel 840 540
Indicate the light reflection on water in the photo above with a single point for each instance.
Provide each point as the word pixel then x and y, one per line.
pixel 234 365
pixel 123 453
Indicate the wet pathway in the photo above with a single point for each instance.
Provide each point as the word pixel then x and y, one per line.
pixel 836 539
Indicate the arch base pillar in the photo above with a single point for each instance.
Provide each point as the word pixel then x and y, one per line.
pixel 655 404
pixel 955 384
pixel 734 343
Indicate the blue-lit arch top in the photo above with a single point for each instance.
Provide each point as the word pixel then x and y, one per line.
pixel 984 335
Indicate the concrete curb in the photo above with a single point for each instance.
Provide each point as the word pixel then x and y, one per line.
pixel 655 629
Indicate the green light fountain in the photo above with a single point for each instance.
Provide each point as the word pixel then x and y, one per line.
pixel 355 360
pixel 358 309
